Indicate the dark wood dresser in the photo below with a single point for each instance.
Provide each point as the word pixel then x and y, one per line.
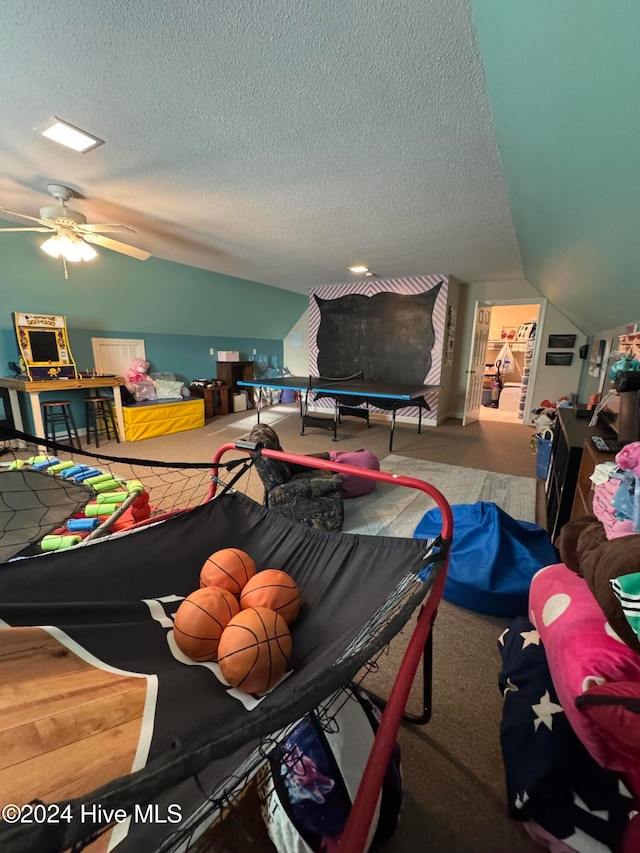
pixel 569 439
pixel 232 372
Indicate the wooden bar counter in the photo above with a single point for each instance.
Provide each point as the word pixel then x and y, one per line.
pixel 59 386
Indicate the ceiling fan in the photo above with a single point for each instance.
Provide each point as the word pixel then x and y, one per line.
pixel 71 234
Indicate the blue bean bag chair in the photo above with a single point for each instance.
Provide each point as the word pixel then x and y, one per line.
pixel 493 557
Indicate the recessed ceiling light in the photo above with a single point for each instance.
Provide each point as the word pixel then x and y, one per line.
pixel 66 134
pixel 360 268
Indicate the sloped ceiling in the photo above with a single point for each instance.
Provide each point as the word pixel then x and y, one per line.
pixel 281 142
pixel 563 80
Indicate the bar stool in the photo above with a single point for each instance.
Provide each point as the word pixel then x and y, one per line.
pixel 51 417
pixel 99 419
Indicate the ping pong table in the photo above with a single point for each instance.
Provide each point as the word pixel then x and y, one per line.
pixel 389 396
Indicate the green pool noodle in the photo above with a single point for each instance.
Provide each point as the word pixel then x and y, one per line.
pixel 106 486
pixel 60 466
pixel 17 464
pixel 99 478
pixel 95 510
pixel 112 497
pixel 135 486
pixel 33 459
pixel 56 543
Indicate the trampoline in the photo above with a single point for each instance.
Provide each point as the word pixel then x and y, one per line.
pixel 98 620
pixel 32 500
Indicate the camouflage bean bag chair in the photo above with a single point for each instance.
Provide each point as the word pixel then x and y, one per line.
pixel 305 495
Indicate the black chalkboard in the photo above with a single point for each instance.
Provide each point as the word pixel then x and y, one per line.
pixel 388 336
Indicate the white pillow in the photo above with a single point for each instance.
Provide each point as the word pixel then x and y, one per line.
pixel 168 389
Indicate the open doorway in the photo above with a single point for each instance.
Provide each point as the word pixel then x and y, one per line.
pixel 502 353
pixel 508 362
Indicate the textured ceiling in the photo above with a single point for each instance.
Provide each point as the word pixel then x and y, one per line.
pixel 274 141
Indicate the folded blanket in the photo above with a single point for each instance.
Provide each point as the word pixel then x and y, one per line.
pixel 614 505
pixel 598 566
pixel 570 533
pixel 586 549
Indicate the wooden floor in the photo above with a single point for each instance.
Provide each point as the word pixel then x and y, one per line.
pixel 66 726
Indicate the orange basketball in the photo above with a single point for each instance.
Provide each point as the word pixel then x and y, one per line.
pixel 254 650
pixel 273 589
pixel 229 569
pixel 201 619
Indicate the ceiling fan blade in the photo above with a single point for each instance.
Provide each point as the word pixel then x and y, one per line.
pixel 116 246
pixel 23 215
pixel 44 230
pixel 99 228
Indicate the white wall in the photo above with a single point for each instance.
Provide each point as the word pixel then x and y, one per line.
pixel 296 358
pixel 548 382
pixel 551 383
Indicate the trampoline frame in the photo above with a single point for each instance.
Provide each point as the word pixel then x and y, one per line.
pixel 354 836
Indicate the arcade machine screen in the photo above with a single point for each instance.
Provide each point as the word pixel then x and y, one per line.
pixel 44 346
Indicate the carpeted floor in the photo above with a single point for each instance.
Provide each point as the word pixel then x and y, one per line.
pixel 453 772
pixel 395 511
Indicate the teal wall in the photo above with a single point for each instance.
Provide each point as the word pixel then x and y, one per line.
pixel 115 293
pixel 166 353
pixel 181 312
pixel 185 355
pixel 563 80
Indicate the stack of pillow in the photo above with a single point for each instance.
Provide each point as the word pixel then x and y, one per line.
pixel 168 387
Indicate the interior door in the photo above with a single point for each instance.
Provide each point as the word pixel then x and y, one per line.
pixel 113 355
pixel 475 372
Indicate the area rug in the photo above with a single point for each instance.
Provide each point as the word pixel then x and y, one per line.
pixel 392 510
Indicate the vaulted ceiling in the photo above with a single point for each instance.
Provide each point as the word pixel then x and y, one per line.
pixel 283 141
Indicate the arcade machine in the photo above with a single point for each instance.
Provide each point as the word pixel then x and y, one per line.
pixel 44 347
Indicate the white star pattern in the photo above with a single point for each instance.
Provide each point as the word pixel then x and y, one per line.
pixel 544 711
pixel 510 688
pixel 531 638
pixel 503 635
pixel 520 802
pixel 599 813
pixel 625 792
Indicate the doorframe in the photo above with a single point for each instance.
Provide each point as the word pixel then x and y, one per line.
pixel 541 302
pixel 472 364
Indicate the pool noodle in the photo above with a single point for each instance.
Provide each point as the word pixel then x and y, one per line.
pixel 56 543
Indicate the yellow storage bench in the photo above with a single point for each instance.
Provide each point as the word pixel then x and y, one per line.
pixel 157 417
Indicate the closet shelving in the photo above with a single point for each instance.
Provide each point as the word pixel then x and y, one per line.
pixel 514 346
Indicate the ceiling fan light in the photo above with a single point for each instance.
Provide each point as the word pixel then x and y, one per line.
pixel 51 246
pixel 87 252
pixel 72 253
pixel 72 249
